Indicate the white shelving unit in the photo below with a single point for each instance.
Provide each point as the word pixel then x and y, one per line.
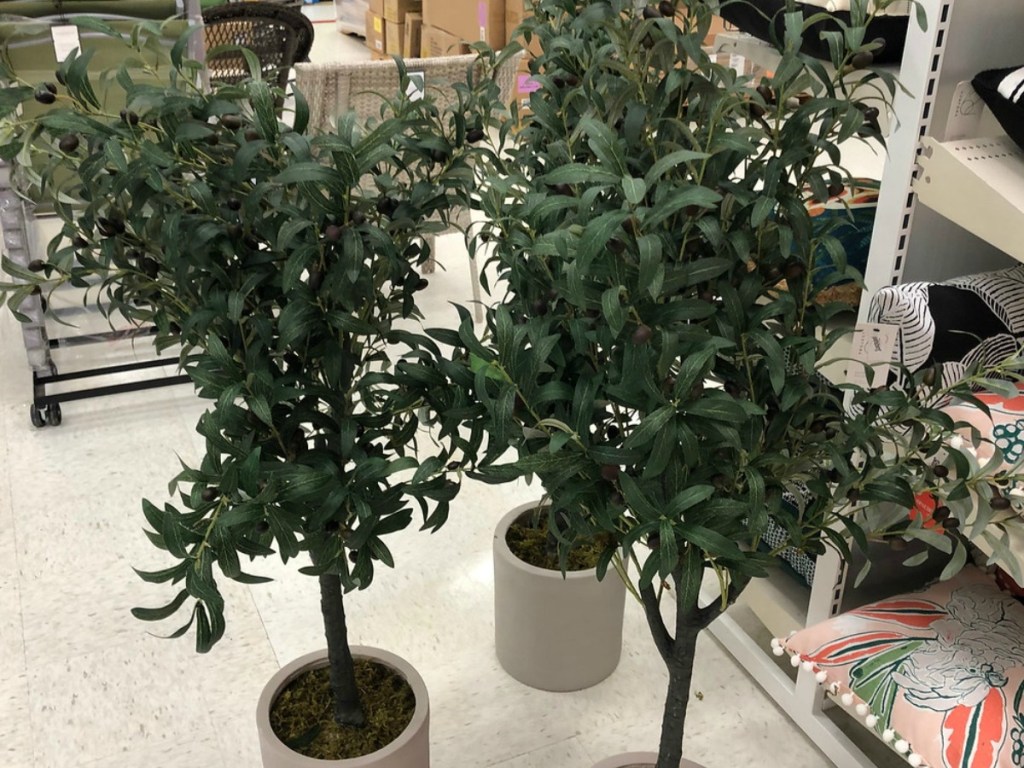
pixel 948 206
pixel 979 185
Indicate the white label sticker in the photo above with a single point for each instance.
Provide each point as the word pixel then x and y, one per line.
pixel 871 353
pixel 417 86
pixel 737 62
pixel 65 40
pixel 965 116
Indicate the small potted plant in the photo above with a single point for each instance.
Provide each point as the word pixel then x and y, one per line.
pixel 644 361
pixel 284 264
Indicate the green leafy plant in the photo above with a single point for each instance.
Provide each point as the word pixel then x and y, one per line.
pixel 285 265
pixel 644 360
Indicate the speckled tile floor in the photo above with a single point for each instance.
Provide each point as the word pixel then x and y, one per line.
pixel 85 684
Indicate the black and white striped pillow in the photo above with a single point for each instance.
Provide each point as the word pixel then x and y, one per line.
pixel 1003 92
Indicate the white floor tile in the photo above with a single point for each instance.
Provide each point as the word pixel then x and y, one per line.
pixel 143 695
pixel 16 734
pixel 567 754
pixel 184 754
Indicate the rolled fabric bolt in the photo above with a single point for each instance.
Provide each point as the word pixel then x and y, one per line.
pixel 847 699
pixel 871 721
pixel 821 677
pixel 794 660
pixel 901 746
pixel 862 710
pixel 915 760
pixel 888 735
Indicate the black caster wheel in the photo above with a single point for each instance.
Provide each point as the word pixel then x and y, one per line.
pixel 38 417
pixel 53 415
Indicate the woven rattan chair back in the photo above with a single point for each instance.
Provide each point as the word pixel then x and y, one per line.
pixel 335 88
pixel 279 36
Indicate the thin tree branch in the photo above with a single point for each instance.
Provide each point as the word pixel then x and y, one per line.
pixel 662 639
pixel 704 616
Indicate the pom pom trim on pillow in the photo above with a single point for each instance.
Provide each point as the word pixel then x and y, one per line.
pixel 938 675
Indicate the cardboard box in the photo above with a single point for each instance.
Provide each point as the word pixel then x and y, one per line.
pixel 377 7
pixel 524 86
pixel 437 42
pixel 394 36
pixel 469 20
pixel 515 13
pixel 412 43
pixel 396 10
pixel 375 33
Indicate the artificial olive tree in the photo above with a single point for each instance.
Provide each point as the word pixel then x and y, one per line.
pixel 644 359
pixel 285 265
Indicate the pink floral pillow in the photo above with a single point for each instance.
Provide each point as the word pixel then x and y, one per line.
pixel 939 674
pixel 1003 429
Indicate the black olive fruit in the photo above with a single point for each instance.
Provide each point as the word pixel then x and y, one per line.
pixel 36 265
pixel 642 335
pixel 234 204
pixel 473 135
pixel 794 270
pixel 941 514
pixel 439 155
pixel 453 465
pixel 817 426
pixel 68 143
pixel 853 495
pixel 333 232
pixel 941 471
pixel 51 88
pixel 862 60
pixel 610 472
pixel 149 267
pixel 262 527
pixel 357 217
pixel 540 307
pixel 231 122
pixel 666 8
pixel 213 139
pixel 353 555
pixel 387 206
pixel 44 96
pixel 650 12
pixel 421 284
pixel 210 494
pixel 251 134
pixel 999 503
pixel 79 242
pixel 60 77
pixel 316 279
pixel 332 526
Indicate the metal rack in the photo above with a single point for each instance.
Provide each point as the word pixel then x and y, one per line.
pixel 18 219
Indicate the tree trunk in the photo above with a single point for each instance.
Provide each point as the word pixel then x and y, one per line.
pixel 347 708
pixel 673 721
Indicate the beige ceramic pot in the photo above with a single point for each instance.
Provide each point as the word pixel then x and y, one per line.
pixel 637 760
pixel 410 750
pixel 550 632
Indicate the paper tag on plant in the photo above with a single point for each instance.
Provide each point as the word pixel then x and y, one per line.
pixel 65 40
pixel 873 345
pixel 417 86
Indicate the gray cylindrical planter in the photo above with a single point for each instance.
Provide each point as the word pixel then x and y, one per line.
pixel 410 750
pixel 637 760
pixel 550 632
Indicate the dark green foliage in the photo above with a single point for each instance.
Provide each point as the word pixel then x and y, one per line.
pixel 266 253
pixel 643 360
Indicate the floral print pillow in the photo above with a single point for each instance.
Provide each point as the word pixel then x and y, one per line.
pixel 1002 427
pixel 939 674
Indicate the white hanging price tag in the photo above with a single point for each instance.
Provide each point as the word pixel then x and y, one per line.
pixel 871 354
pixel 965 114
pixel 417 87
pixel 65 40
